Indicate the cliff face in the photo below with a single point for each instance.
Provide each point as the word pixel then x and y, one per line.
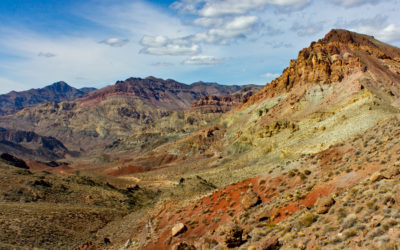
pixel 334 58
pixel 224 103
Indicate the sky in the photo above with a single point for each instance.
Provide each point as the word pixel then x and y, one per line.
pixel 94 43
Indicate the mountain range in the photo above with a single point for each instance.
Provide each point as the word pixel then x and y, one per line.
pixel 100 118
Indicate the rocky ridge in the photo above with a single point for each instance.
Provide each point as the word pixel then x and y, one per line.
pixel 337 56
pixel 57 92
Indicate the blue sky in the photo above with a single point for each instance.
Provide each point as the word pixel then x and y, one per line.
pixel 97 42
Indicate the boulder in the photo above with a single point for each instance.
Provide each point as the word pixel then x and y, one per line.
pixel 178 229
pixel 233 236
pixel 324 204
pixel 262 215
pixel 377 177
pixel 250 199
pixel 183 246
pixel 391 172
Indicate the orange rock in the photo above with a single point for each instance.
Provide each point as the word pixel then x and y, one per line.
pixel 324 204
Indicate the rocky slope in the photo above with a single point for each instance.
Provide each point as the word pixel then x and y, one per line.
pixel 57 92
pixel 29 145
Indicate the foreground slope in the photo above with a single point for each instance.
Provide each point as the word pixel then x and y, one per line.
pixel 298 157
pixel 40 210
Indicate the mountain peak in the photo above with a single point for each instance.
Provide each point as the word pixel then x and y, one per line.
pixel 60 86
pixel 345 36
pixel 340 54
pixel 56 92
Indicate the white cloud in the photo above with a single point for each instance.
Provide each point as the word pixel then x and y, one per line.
pixel 270 75
pixel 354 3
pixel 217 8
pixel 46 54
pixel 390 33
pixel 377 26
pixel 238 27
pixel 160 45
pixel 135 17
pixel 202 60
pixel 208 22
pixel 154 41
pixel 115 42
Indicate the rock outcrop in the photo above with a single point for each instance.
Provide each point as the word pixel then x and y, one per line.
pixel 324 204
pixel 224 103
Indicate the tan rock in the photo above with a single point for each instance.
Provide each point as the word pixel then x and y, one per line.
pixel 178 229
pixel 389 173
pixel 250 199
pixel 262 215
pixel 270 244
pixel 377 177
pixel 324 204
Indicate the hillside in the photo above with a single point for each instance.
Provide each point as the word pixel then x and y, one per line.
pixel 57 92
pixel 29 145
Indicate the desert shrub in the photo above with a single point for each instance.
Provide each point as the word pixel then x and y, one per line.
pixel 376 232
pixel 291 173
pixel 341 213
pixel 350 220
pixel 307 220
pixel 350 233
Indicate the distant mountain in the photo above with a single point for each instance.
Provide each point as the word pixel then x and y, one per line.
pixel 135 107
pixel 57 92
pixel 225 103
pixel 168 94
pixel 29 145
